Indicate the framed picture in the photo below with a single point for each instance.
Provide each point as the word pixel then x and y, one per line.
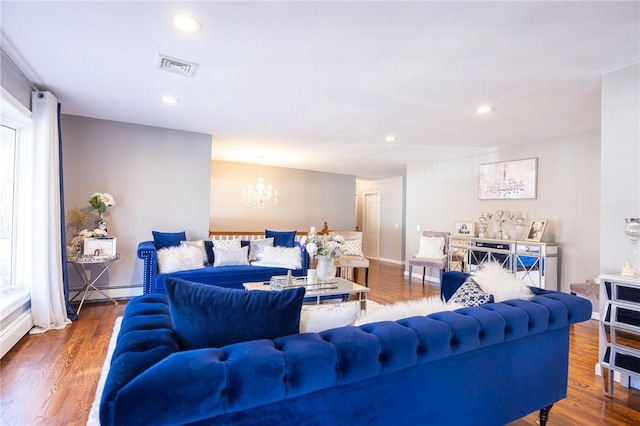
pixel 508 180
pixel 467 229
pixel 536 230
pixel 99 247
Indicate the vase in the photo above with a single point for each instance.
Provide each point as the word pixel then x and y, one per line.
pixel 101 223
pixel 326 268
pixel 632 229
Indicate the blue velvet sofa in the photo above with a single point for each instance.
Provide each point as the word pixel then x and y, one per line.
pixel 222 276
pixel 485 365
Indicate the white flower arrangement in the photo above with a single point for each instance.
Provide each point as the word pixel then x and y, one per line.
pixel 325 245
pixel 101 201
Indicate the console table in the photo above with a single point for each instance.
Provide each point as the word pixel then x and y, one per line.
pixel 533 262
pixel 619 329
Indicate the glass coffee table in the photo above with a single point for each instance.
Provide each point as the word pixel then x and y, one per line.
pixel 320 293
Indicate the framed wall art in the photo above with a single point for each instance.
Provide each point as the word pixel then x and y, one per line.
pixel 508 180
pixel 99 247
pixel 467 229
pixel 536 229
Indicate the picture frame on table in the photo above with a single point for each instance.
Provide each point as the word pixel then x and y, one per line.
pixel 536 230
pixel 100 247
pixel 464 228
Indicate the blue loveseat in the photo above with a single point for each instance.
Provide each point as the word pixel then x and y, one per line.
pixel 222 276
pixel 486 365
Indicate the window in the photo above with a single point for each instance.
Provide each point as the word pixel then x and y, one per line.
pixel 7 170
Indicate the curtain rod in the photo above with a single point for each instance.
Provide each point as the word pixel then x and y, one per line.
pixel 17 68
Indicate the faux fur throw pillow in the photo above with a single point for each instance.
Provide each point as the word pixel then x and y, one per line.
pixel 172 259
pixel 412 308
pixel 502 284
pixel 316 318
pixel 281 257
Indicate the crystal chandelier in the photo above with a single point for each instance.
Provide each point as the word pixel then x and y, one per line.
pixel 260 196
pixel 506 185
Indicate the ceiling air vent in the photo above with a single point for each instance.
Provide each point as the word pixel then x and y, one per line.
pixel 177 66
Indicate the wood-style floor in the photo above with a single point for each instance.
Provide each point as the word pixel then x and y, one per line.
pixel 51 379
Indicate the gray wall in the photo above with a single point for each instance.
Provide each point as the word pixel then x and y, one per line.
pixel 439 193
pixel 306 199
pixel 620 159
pixel 158 177
pixel 392 233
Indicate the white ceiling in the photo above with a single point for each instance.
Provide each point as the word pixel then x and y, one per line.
pixel 318 85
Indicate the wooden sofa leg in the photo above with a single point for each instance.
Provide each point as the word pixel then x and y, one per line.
pixel 544 415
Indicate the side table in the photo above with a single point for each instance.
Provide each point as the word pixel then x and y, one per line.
pixel 104 262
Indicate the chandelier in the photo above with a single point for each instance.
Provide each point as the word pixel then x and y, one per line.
pixel 260 196
pixel 506 185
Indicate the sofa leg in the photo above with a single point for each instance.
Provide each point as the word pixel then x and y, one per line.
pixel 544 415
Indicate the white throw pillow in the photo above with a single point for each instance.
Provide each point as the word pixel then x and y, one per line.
pixel 256 248
pixel 431 247
pixel 352 248
pixel 172 259
pixel 230 257
pixel 412 308
pixel 281 257
pixel 198 244
pixel 227 244
pixel 316 318
pixel 494 279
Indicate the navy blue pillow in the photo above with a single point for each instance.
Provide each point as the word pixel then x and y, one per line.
pixel 208 247
pixel 281 238
pixel 168 239
pixel 207 316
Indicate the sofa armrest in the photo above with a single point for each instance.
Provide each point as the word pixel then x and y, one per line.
pixel 148 253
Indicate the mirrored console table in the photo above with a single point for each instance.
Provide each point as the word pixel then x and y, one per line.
pixel 533 262
pixel 619 329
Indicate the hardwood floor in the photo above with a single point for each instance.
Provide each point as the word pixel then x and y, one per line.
pixel 51 379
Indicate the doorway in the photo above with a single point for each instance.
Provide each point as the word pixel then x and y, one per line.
pixel 371 225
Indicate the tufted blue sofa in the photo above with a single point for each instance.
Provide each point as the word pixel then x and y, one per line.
pixel 486 365
pixel 222 276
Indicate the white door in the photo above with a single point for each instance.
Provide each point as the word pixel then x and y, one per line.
pixel 371 225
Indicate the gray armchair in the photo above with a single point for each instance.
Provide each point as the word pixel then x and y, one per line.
pixel 427 262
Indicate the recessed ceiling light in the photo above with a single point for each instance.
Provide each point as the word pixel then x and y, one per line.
pixel 169 100
pixel 186 23
pixel 390 138
pixel 484 109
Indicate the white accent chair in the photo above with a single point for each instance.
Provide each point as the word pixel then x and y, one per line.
pixel 349 263
pixel 426 262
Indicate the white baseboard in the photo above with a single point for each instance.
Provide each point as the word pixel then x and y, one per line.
pixel 116 293
pixel 418 276
pixel 394 261
pixel 15 331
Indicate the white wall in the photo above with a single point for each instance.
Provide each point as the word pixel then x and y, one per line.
pixel 620 158
pixel 439 193
pixel 306 199
pixel 158 177
pixel 391 215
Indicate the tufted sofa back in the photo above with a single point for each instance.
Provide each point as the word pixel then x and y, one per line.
pixel 152 381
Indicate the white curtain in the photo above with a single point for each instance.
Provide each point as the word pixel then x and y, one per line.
pixel 38 252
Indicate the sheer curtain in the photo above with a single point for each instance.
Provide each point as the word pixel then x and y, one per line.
pixel 38 256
